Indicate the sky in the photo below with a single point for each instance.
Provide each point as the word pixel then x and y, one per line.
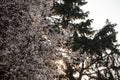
pixel 100 10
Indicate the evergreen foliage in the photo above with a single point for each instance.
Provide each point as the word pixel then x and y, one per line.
pixel 99 48
pixel 33 48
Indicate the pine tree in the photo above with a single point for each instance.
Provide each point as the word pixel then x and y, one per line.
pixel 97 49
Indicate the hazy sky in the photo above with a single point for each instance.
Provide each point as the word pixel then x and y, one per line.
pixel 100 10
